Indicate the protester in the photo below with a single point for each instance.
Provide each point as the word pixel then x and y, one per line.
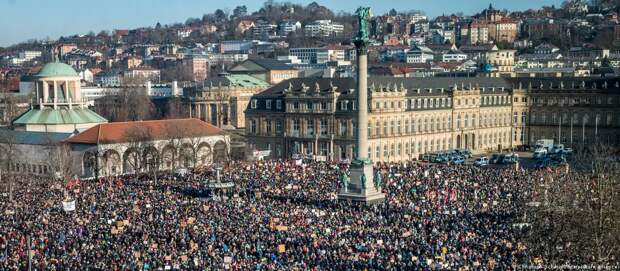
pixel 278 216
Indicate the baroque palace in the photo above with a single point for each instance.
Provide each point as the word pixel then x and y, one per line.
pixel 412 116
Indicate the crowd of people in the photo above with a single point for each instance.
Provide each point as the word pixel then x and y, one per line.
pixel 278 216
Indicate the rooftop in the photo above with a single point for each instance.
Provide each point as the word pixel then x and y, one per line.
pixel 31 138
pixel 57 69
pixel 62 115
pixel 122 132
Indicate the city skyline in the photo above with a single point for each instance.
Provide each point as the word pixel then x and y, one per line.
pixel 51 20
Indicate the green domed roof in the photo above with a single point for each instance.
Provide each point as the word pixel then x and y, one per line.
pixel 56 69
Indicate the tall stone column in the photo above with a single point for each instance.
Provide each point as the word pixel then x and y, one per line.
pixel 362 103
pixel 362 184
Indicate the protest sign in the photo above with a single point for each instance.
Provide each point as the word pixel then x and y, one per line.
pixel 68 206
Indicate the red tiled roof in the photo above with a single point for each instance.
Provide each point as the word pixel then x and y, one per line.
pixel 121 132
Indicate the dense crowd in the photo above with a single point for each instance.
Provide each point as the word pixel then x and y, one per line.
pixel 279 216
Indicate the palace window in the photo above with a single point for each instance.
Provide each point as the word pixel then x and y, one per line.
pixel 253 104
pixel 268 127
pixel 343 128
pixel 278 104
pixel 253 126
pixel 516 119
pixel 279 127
pixel 407 126
pixel 324 127
pixel 268 104
pixel 296 127
pixel 310 130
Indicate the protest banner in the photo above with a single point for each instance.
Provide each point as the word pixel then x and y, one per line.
pixel 68 206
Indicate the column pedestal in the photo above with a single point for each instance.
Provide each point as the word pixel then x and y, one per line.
pixel 359 191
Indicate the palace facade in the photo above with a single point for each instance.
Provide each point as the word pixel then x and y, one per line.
pixel 412 116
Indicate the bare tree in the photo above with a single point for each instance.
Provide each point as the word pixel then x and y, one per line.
pixel 579 222
pixel 129 103
pixel 139 138
pixel 11 107
pixel 60 162
pixel 175 134
pixel 174 109
pixel 8 152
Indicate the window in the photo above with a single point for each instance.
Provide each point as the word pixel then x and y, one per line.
pixel 516 120
pixel 279 127
pixel 268 104
pixel 323 106
pixel 253 126
pixel 254 104
pixel 391 127
pixel 296 105
pixel 377 151
pixel 309 106
pixel 278 104
pixel 323 127
pixel 343 128
pixel 343 105
pixel 268 127
pixel 296 127
pixel 406 126
pixel 310 130
pixel 378 128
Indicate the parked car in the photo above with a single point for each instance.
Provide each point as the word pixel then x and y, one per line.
pixel 481 161
pixel 459 160
pixel 510 158
pixel 540 153
pixel 497 158
pixel 426 157
pixel 464 152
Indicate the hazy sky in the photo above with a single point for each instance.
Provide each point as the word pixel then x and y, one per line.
pixel 21 20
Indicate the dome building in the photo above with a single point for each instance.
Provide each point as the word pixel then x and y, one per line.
pixel 58 105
